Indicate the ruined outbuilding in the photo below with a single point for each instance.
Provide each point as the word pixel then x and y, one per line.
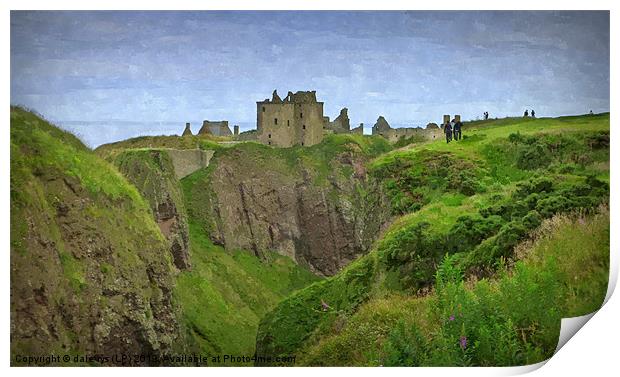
pixel 187 131
pixel 383 128
pixel 341 124
pixel 216 128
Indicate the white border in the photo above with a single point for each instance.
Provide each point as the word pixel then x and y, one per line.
pixel 594 349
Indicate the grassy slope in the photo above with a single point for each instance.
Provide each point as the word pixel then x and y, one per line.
pixel 298 322
pixel 226 295
pixel 563 273
pixel 110 242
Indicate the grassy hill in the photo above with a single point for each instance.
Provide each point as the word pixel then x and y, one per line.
pixel 461 210
pixel 492 240
pixel 90 271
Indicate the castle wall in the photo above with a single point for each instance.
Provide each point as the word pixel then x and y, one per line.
pixel 282 133
pixel 187 161
pixel 394 134
pixel 309 119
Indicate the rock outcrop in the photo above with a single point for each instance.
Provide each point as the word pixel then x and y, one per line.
pixel 153 174
pixel 323 217
pixel 90 272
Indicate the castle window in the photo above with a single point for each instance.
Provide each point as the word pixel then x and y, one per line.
pixel 263 109
pixel 288 122
pixel 301 115
pixel 302 143
pixel 304 126
pixel 269 142
pixel 270 136
pixel 275 121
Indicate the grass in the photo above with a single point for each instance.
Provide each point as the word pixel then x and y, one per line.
pixel 512 319
pixel 480 227
pixel 225 294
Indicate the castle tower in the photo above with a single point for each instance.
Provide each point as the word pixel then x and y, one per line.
pixel 236 129
pixel 298 120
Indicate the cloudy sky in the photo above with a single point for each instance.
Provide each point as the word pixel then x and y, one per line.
pixel 411 67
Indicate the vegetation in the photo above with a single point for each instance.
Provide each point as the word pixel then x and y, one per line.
pixel 512 319
pixel 493 240
pixel 465 207
pixel 225 294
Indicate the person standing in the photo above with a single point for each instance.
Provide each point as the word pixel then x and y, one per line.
pixel 448 130
pixel 533 114
pixel 457 130
pixel 525 114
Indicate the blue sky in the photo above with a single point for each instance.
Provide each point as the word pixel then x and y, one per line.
pixel 410 67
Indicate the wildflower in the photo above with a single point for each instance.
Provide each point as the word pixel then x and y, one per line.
pixel 324 305
pixel 463 342
pixel 452 317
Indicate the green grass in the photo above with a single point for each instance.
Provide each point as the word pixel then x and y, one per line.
pixel 225 294
pixel 480 227
pixel 512 319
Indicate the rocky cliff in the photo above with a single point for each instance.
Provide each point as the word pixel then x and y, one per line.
pixel 90 271
pixel 153 174
pixel 316 205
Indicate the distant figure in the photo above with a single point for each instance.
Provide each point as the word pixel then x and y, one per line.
pixel 457 130
pixel 591 113
pixel 486 115
pixel 533 114
pixel 525 114
pixel 448 130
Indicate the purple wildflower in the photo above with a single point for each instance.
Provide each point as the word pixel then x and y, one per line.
pixel 452 317
pixel 463 342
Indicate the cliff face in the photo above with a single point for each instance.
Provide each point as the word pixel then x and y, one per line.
pixel 316 206
pixel 153 174
pixel 90 270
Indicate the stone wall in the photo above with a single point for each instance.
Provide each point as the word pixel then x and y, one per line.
pixel 187 161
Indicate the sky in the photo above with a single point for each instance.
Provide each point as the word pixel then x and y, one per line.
pixel 152 70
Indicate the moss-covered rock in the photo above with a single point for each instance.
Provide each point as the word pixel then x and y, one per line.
pixel 90 270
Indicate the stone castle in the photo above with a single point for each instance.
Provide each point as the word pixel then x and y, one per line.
pixel 298 120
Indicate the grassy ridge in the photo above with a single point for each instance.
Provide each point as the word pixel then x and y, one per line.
pixel 86 256
pixel 512 319
pixel 475 199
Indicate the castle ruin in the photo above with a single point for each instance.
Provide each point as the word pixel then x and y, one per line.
pixel 296 120
pixel 216 128
pixel 383 128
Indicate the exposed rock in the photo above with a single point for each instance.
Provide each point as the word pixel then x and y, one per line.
pixel 322 225
pixel 89 273
pixel 153 174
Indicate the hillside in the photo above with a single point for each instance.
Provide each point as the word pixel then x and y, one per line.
pixel 90 270
pixel 474 201
pixel 349 252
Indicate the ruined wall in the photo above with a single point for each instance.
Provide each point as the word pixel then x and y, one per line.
pixel 187 161
pixel 383 128
pixel 428 134
pixel 310 117
pixel 341 124
pixel 358 130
